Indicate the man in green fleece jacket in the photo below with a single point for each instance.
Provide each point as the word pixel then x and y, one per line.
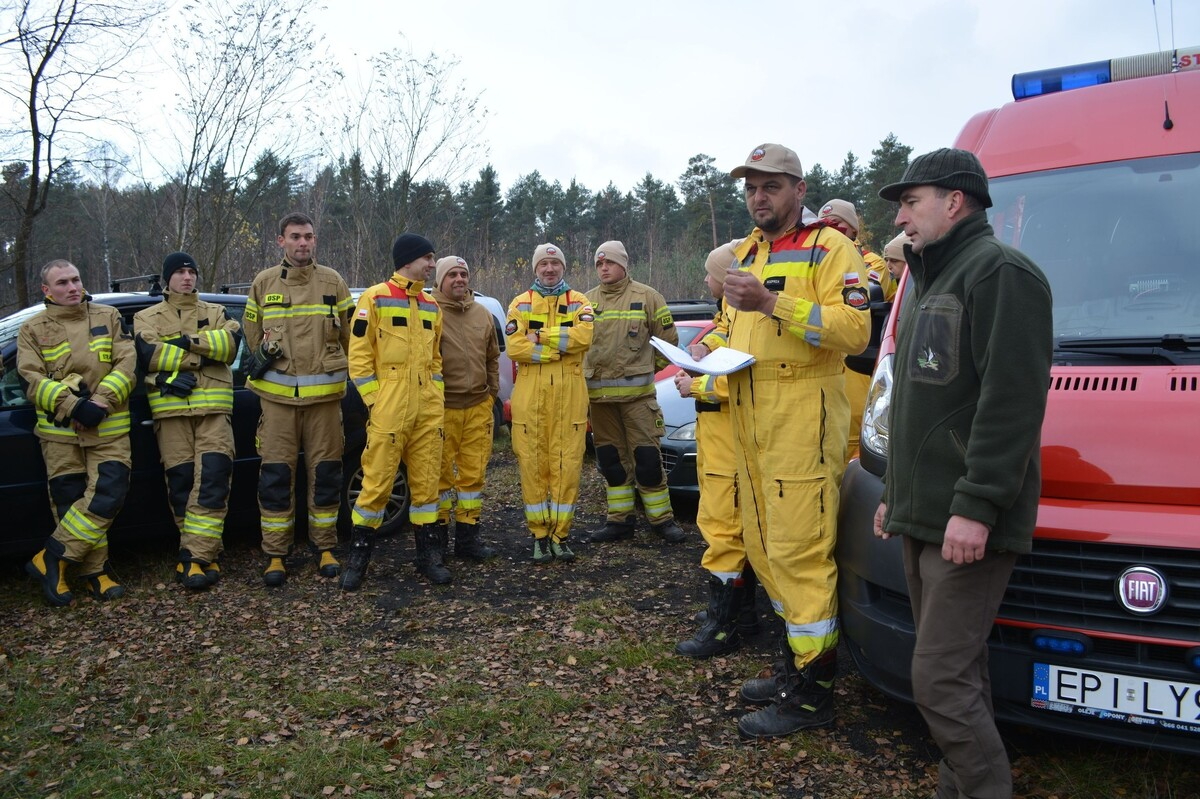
pixel 972 369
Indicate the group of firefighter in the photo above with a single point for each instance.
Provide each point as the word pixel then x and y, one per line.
pixel 772 437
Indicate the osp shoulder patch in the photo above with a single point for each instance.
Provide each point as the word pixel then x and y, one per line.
pixel 270 299
pixel 856 297
pixel 511 327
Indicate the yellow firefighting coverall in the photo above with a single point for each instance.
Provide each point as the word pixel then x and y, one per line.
pixel 626 420
pixel 471 375
pixel 549 404
pixel 195 434
pixel 717 514
pixel 62 352
pixel 790 419
pixel 305 310
pixel 396 364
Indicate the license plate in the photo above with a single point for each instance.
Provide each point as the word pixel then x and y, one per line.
pixel 1117 697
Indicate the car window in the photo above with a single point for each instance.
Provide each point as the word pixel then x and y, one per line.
pixel 11 393
pixel 687 334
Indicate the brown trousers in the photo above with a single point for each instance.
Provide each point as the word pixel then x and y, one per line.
pixel 954 608
pixel 87 490
pixel 197 456
pixel 283 432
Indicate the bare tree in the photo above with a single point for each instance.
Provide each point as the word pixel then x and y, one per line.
pixel 415 122
pixel 61 61
pixel 249 87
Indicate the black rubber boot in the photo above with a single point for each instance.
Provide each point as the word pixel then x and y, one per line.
pixel 49 568
pixel 747 595
pixel 805 701
pixel 719 634
pixel 613 531
pixel 762 690
pixel 102 585
pixel 431 552
pixel 361 546
pixel 746 600
pixel 670 531
pixel 190 572
pixel 467 544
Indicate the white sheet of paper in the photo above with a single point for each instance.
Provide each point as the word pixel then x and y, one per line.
pixel 721 361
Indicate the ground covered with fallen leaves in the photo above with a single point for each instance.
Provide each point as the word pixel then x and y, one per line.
pixel 514 681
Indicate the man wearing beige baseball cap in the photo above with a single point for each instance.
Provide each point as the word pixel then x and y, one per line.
pixel 626 420
pixel 797 300
pixel 470 349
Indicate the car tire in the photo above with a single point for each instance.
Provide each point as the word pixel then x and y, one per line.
pixel 395 514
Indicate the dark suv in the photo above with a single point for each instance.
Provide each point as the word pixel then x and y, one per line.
pixel 23 496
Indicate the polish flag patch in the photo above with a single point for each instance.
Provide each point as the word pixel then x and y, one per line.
pixel 851 279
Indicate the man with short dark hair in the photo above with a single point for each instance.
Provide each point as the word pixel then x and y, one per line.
pixel 77 361
pixel 796 299
pixel 297 326
pixel 972 369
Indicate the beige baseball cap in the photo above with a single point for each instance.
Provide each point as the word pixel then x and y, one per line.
pixel 613 251
pixel 444 265
pixel 841 209
pixel 720 259
pixel 770 158
pixel 548 251
pixel 894 249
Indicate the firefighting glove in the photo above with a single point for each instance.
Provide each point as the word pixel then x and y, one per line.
pixel 178 384
pixel 261 358
pixel 88 413
pixel 76 385
pixel 183 342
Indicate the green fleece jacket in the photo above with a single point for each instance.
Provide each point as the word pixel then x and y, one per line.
pixel 972 368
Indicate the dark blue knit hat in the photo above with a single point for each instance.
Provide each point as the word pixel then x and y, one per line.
pixel 408 248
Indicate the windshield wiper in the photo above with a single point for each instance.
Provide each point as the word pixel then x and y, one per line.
pixel 1173 347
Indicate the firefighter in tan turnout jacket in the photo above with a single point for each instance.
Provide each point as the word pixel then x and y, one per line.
pixel 185 346
pixel 297 334
pixel 78 363
pixel 626 420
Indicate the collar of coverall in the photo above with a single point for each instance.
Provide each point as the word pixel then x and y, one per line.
pixel 408 285
pixel 180 300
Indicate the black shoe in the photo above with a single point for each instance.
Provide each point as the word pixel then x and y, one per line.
pixel 467 544
pixel 612 531
pixel 719 633
pixel 762 690
pixel 102 585
pixel 361 547
pixel 804 701
pixel 431 552
pixel 670 531
pixel 275 574
pixel 49 568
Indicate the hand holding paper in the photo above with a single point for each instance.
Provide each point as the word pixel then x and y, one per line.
pixel 722 361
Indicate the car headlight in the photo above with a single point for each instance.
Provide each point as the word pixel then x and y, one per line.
pixel 875 416
pixel 686 432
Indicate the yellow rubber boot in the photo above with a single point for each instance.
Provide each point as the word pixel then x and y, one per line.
pixel 275 573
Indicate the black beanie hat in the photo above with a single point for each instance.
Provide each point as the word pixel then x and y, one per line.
pixel 176 261
pixel 947 168
pixel 408 248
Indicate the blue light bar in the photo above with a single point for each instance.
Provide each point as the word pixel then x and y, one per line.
pixel 1060 642
pixel 1047 81
pixel 1078 76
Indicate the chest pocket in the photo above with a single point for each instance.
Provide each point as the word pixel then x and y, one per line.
pixel 636 327
pixel 936 336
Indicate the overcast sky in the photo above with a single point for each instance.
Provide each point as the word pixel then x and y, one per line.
pixel 608 91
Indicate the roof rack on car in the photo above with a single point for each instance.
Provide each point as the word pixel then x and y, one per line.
pixel 154 280
pixel 226 288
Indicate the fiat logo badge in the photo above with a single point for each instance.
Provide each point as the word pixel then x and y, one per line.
pixel 1141 590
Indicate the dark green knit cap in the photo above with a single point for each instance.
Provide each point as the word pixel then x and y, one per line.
pixel 947 168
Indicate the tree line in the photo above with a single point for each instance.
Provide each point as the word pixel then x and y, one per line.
pixel 398 156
